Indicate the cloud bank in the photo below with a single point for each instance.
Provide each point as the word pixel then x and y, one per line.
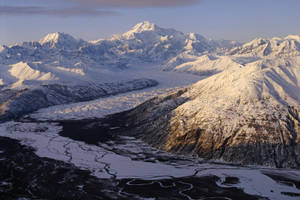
pixel 68 8
pixel 136 3
pixel 63 12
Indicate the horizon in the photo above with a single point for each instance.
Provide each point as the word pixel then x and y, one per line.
pixel 30 20
pixel 130 28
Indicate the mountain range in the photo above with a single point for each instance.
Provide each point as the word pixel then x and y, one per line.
pixel 244 109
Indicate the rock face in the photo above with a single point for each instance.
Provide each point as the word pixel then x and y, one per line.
pixel 246 115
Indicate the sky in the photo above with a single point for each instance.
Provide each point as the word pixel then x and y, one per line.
pixel 241 20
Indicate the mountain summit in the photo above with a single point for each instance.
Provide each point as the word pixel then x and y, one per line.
pixel 144 26
pixel 148 27
pixel 59 40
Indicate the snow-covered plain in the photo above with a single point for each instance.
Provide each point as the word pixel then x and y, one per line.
pixel 104 160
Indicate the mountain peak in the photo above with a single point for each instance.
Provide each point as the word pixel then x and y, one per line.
pixel 144 26
pixel 52 39
pixel 140 28
pixel 147 28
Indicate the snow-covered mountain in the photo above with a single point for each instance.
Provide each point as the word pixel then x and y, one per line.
pixel 64 56
pixel 150 43
pixel 217 61
pixel 287 46
pixel 247 112
pixel 61 41
pixel 60 59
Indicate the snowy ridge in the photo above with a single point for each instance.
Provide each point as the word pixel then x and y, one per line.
pixel 205 65
pixel 242 111
pixel 217 61
pixel 23 71
pixel 288 46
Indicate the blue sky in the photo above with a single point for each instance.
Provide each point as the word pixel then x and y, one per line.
pixel 242 20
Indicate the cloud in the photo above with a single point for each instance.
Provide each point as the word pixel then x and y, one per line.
pixel 66 8
pixel 135 3
pixel 62 12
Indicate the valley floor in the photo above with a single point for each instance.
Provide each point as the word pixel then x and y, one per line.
pixel 121 167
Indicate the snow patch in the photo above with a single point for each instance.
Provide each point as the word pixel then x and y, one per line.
pixel 23 71
pixel 78 71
